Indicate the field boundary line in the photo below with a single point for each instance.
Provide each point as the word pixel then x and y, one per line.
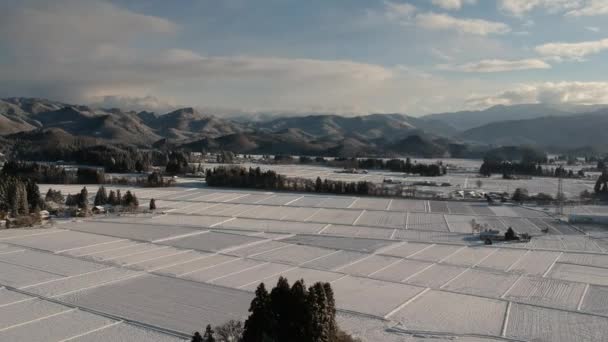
pixel 323 229
pixel 504 295
pixel 505 322
pixel 220 223
pixel 200 232
pixel 311 215
pixel 358 217
pixel 59 230
pixel 270 276
pixel 546 273
pixel 93 245
pixel 160 257
pixel 91 331
pixel 64 278
pixel 232 199
pixel 136 253
pixel 238 272
pixel 197 210
pixel 320 257
pixel 293 200
pixel 207 267
pixel 15 251
pixel 420 251
pixel 353 203
pixel 494 251
pixel 388 206
pixel 135 243
pixel 18 301
pixel 417 273
pixel 351 263
pixel 392 237
pixel 580 302
pixel 37 319
pixel 518 260
pixel 454 278
pixel 447 223
pixel 403 305
pixel 385 267
pixel 451 254
pixel 137 274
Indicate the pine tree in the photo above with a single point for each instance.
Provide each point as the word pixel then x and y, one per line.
pixel 208 336
pixel 197 337
pixel 280 298
pixel 101 198
pixel 319 314
pixel 258 327
pixel 112 198
pixel 36 203
pixel 300 327
pixel 118 197
pixel 83 199
pixel 331 310
pixel 22 204
pixel 152 204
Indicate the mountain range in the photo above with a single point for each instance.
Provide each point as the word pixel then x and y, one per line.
pixel 40 120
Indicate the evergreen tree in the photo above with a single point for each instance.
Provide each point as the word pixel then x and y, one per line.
pixel 300 327
pixel 331 309
pixel 152 204
pixel 197 337
pixel 22 205
pixel 35 201
pixel 101 198
pixel 280 298
pixel 83 199
pixel 258 327
pixel 208 336
pixel 54 196
pixel 118 197
pixel 112 198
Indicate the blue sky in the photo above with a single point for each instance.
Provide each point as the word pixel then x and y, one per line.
pixel 345 56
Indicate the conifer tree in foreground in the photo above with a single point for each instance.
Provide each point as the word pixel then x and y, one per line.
pixel 197 337
pixel 208 336
pixel 101 198
pixel 152 204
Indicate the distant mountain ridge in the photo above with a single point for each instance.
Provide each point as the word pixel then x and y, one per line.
pixel 375 134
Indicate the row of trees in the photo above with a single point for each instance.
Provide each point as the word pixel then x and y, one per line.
pixel 46 173
pixel 508 169
pixel 286 313
pixel 270 180
pixel 19 197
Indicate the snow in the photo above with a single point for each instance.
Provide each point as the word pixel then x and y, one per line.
pixel 61 240
pixel 8 297
pixel 157 263
pixel 384 219
pixel 335 242
pixel 547 292
pixel 454 313
pixel 294 255
pixel 310 277
pixel 204 261
pixel 18 313
pixel 146 232
pixel 57 328
pixel 369 296
pixel 534 263
pixel 436 252
pixel 253 275
pixel 502 259
pixel 17 276
pixel 61 286
pixel 358 231
pixel 54 264
pixel 211 241
pixel 296 214
pixel 369 265
pixel 336 202
pixel 91 250
pixel 273 226
pixel 405 250
pixel 186 220
pixel 596 300
pixel 335 260
pixel 222 270
pixel 169 303
pixel 482 283
pixel 533 323
pixel 336 216
pixel 469 256
pixel 125 333
pixel 585 274
pixel 401 270
pixel 598 260
pixel 371 203
pixel 258 248
pixel 407 205
pixel 435 276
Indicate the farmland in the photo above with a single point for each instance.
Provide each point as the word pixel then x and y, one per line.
pixel 399 268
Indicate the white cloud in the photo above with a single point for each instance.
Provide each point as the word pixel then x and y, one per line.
pixel 444 22
pixel 575 51
pixel 498 65
pixel 521 7
pixel 590 8
pixel 592 28
pixel 452 4
pixel 398 11
pixel 580 93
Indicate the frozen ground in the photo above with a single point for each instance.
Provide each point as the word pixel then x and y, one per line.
pixel 402 270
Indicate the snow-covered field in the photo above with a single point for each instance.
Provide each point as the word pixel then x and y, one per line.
pixel 401 269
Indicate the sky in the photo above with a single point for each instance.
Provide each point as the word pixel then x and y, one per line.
pixel 342 56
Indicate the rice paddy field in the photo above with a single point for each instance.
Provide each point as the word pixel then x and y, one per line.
pixel 402 270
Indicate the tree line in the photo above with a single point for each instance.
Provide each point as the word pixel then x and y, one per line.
pixel 270 180
pixel 509 169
